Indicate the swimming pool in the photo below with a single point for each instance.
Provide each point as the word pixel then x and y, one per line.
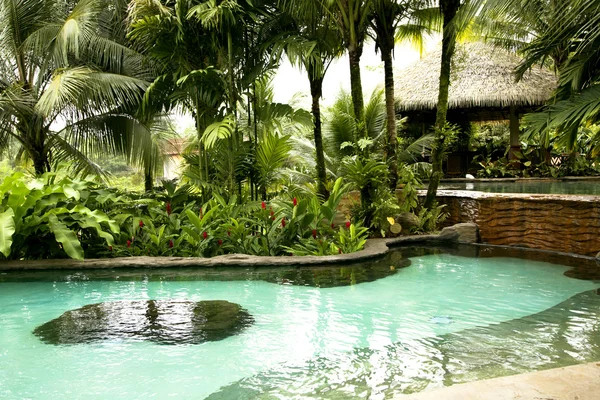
pixel 531 186
pixel 368 331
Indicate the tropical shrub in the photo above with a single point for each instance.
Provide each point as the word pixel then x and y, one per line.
pixel 41 218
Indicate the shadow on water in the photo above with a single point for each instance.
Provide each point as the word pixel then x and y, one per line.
pixel 315 276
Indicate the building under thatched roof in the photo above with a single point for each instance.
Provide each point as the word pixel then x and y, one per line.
pixel 482 80
pixel 483 87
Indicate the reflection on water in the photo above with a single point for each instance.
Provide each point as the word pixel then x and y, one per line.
pixel 566 334
pixel 591 187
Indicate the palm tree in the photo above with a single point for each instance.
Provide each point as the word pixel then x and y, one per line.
pixel 451 27
pixel 352 20
pixel 312 43
pixel 394 21
pixel 64 85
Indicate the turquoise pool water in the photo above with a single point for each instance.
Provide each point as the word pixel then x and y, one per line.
pixel 442 320
pixel 583 187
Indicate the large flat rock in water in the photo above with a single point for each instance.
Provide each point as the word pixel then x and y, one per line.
pixel 159 321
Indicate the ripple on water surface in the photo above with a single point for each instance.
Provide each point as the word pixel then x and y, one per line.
pixel 442 320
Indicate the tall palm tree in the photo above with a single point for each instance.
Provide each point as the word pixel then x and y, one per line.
pixel 448 10
pixel 312 43
pixel 64 85
pixel 352 19
pixel 394 21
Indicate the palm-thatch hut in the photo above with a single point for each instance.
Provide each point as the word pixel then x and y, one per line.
pixel 482 88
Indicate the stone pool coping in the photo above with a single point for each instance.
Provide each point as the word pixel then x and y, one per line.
pixel 581 382
pixel 374 248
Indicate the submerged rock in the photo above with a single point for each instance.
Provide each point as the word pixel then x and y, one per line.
pixel 159 321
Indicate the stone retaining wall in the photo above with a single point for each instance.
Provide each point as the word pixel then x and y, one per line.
pixel 566 223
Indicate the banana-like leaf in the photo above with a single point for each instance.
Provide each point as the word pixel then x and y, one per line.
pixel 7 229
pixel 66 237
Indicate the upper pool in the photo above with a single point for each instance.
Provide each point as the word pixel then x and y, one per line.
pixel 369 331
pixel 581 187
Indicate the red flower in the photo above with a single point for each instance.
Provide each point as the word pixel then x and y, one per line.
pixel 204 234
pixel 348 223
pixel 228 233
pixel 109 248
pixel 220 242
pixel 263 205
pixel 314 233
pixel 141 223
pixel 171 244
pixel 129 243
pixel 332 225
pixel 295 202
pixel 272 213
pixel 283 222
pixel 168 208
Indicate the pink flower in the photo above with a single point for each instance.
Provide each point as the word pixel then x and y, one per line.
pixel 168 208
pixel 129 243
pixel 204 234
pixel 348 223
pixel 295 202
pixel 171 244
pixel 314 233
pixel 263 205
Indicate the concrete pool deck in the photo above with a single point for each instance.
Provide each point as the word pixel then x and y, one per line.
pixel 577 382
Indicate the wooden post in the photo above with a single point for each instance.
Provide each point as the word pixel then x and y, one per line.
pixel 515 143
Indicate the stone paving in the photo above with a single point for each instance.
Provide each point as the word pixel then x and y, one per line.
pixel 577 382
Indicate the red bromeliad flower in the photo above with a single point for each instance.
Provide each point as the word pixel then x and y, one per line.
pixel 314 233
pixel 348 223
pixel 332 225
pixel 295 202
pixel 171 244
pixel 220 242
pixel 168 208
pixel 141 223
pixel 129 243
pixel 263 205
pixel 204 234
pixel 283 222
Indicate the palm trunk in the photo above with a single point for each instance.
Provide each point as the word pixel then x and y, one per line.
pixel 392 141
pixel 354 53
pixel 449 9
pixel 316 91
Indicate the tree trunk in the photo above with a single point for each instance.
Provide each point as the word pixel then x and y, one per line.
pixel 354 54
pixel 316 91
pixel 390 101
pixel 148 180
pixel 449 9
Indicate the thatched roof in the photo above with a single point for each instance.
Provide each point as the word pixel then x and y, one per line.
pixel 482 77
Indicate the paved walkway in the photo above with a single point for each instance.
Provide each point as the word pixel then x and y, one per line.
pixel 578 382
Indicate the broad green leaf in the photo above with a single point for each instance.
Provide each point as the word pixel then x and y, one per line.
pixel 7 229
pixel 66 237
pixel 71 193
